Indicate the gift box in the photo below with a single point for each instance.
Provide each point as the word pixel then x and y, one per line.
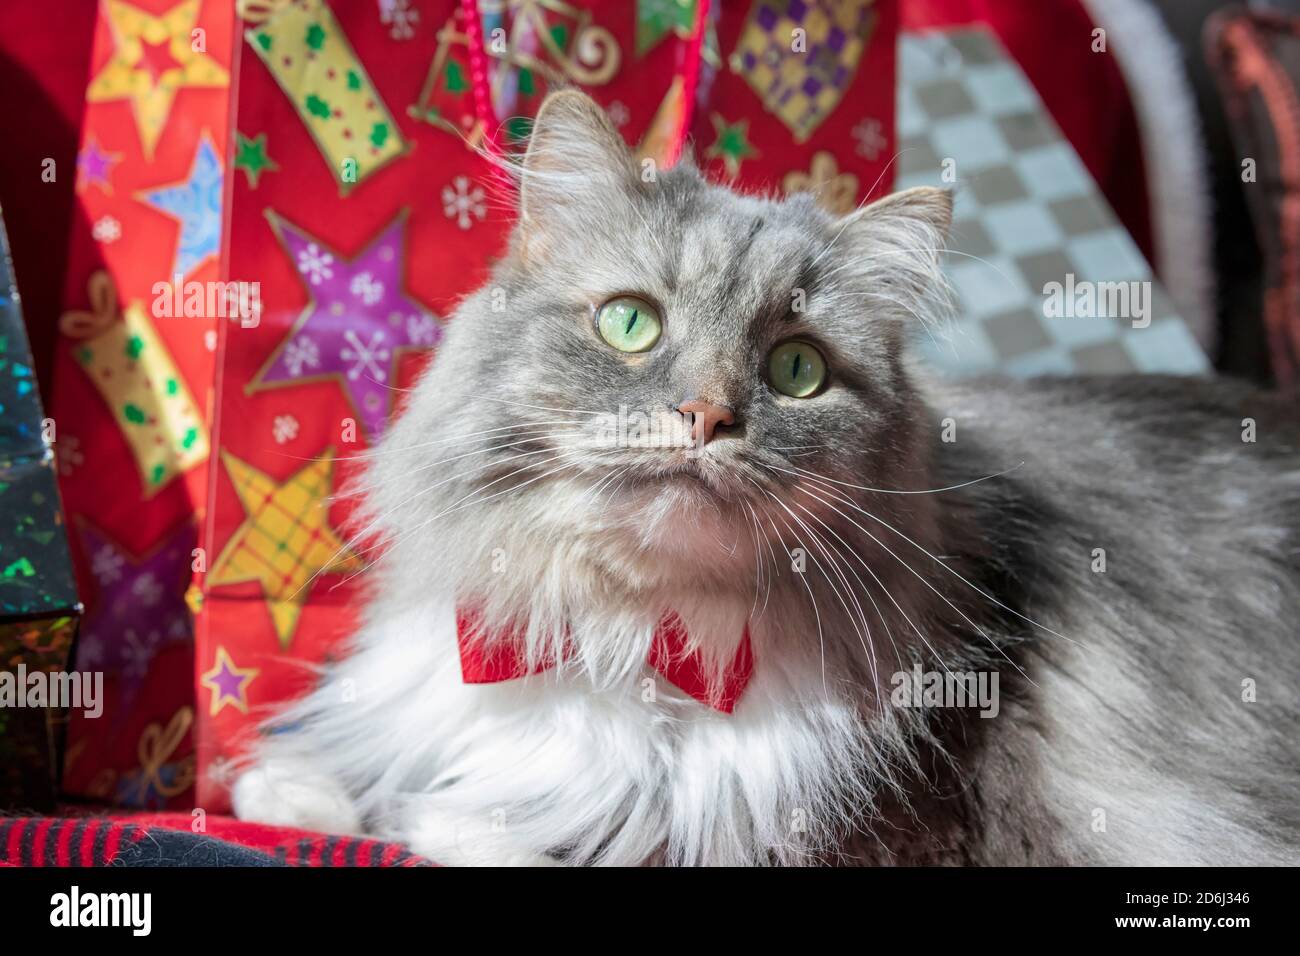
pixel 39 609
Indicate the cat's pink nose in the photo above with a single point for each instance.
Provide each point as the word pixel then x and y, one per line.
pixel 705 419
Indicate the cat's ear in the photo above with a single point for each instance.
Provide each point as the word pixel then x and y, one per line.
pixel 923 209
pixel 574 154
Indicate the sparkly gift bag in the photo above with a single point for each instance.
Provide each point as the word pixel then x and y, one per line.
pixel 38 599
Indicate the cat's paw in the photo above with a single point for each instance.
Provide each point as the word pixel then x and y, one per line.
pixel 292 793
pixel 457 840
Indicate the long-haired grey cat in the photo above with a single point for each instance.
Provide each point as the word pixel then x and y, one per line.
pixel 737 584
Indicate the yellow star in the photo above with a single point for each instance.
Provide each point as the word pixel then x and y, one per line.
pixel 285 540
pixel 153 58
pixel 228 683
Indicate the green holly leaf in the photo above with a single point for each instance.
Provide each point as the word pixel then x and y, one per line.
pixel 133 413
pixel 159 472
pixel 379 134
pixel 84 355
pixel 173 386
pixel 134 346
pixel 527 86
pixel 315 36
pixel 317 106
pixel 354 80
pixel 560 34
pixel 456 82
pixel 191 436
pixel 264 41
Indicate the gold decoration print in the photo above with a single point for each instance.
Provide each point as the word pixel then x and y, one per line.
pixel 286 540
pixel 800 56
pixel 153 59
pixel 159 778
pixel 132 369
pixel 836 192
pixel 304 47
pixel 543 41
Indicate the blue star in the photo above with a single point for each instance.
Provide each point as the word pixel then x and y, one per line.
pixel 196 202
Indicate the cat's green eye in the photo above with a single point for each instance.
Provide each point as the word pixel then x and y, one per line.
pixel 796 369
pixel 629 324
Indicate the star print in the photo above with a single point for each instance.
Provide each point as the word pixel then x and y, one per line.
pixel 95 166
pixel 196 202
pixel 228 683
pixel 285 541
pixel 153 58
pixel 355 326
pixel 250 156
pixel 732 145
pixel 139 606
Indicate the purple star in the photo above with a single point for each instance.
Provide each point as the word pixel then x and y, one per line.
pixel 357 320
pixel 139 606
pixel 96 166
pixel 228 684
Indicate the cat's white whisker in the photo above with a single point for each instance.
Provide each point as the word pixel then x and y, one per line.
pixel 962 614
pixel 895 491
pixel 945 565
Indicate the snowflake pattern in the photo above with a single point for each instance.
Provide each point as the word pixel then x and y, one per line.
pixel 139 652
pixel 367 358
pixel 366 288
pixel 67 450
pixel 147 589
pixel 316 264
pixel 106 230
pixel 284 429
pixel 422 330
pixel 400 19
pixel 871 138
pixel 301 353
pixel 463 203
pixel 90 652
pixel 106 565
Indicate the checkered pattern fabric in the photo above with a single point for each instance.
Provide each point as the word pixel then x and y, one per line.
pixel 1027 214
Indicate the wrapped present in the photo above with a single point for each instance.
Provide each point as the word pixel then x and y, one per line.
pixel 357 151
pixel 133 381
pixel 39 609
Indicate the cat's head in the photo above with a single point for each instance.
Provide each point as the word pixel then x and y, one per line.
pixel 658 358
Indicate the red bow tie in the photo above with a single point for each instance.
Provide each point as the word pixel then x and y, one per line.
pixel 491 661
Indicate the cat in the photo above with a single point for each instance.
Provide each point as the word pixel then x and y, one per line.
pixel 718 553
